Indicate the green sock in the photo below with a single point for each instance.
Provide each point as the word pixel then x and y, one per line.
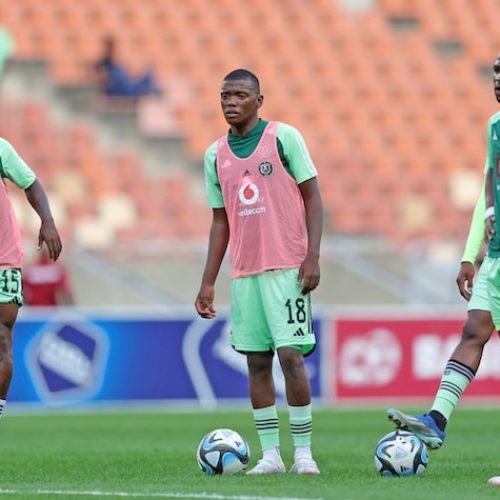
pixel 266 422
pixel 301 424
pixel 455 379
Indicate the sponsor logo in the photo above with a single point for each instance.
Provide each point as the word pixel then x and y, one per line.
pixel 67 361
pixel 299 333
pixel 252 211
pixel 431 352
pixel 265 168
pixel 248 193
pixel 372 359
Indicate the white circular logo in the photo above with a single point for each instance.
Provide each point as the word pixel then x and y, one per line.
pixel 248 193
pixel 370 359
pixel 265 168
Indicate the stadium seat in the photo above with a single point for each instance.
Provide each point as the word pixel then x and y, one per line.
pixel 413 105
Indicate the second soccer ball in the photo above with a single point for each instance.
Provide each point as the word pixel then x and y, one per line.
pixel 401 453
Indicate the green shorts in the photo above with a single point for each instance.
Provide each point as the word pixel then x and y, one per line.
pixel 493 283
pixel 479 299
pixel 268 311
pixel 11 286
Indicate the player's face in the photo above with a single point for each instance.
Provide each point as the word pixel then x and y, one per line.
pixel 240 102
pixel 496 77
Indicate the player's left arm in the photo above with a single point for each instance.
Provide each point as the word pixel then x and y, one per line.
pixel 309 272
pixel 304 172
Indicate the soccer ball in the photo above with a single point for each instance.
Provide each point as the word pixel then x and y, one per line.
pixel 222 451
pixel 401 453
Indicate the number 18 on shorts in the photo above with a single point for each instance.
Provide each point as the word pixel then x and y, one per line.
pixel 268 311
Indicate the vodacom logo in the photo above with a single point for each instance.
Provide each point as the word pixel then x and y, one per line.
pixel 248 193
pixel 373 358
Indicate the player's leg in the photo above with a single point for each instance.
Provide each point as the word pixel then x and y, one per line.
pixel 459 370
pixel 8 315
pixel 249 335
pixel 298 395
pixel 462 365
pixel 288 315
pixel 265 414
pixel 11 299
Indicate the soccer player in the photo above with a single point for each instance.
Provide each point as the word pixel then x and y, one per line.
pixel 481 318
pixel 263 190
pixel 13 167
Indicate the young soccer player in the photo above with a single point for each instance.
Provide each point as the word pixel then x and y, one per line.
pixel 263 191
pixel 13 168
pixel 481 319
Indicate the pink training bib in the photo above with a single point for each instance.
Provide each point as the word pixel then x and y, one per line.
pixel 264 208
pixel 11 249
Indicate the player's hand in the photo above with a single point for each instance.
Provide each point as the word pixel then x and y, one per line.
pixel 48 234
pixel 489 228
pixel 309 275
pixel 465 279
pixel 204 303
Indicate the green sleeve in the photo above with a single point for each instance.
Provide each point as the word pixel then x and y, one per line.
pixel 212 185
pixel 296 153
pixel 13 167
pixel 476 231
pixel 489 142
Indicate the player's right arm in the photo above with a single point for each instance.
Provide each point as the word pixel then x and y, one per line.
pixel 218 238
pixel 217 245
pixel 475 239
pixel 48 232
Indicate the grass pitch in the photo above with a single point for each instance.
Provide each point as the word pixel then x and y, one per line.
pixel 152 455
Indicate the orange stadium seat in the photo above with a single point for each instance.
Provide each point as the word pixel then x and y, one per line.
pixel 369 89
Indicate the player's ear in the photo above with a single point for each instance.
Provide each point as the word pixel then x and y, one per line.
pixel 260 100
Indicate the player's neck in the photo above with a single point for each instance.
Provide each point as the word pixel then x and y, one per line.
pixel 245 128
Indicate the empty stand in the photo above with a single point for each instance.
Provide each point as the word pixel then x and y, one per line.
pixel 390 100
pixel 99 199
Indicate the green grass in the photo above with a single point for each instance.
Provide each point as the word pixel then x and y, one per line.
pixel 142 454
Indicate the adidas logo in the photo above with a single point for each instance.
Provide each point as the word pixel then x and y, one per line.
pixel 299 333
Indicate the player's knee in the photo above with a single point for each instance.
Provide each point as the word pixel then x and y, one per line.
pixel 259 366
pixel 292 364
pixel 476 331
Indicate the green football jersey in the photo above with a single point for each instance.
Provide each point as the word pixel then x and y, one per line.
pixel 493 139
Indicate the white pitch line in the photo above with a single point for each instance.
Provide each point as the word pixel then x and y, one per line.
pixel 126 494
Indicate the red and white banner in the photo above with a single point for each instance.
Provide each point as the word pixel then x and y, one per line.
pixel 403 358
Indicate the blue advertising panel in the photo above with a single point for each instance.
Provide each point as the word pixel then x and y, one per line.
pixel 71 357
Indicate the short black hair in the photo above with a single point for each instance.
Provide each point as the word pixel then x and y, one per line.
pixel 243 74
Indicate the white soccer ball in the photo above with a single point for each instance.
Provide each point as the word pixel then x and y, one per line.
pixel 401 453
pixel 222 451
